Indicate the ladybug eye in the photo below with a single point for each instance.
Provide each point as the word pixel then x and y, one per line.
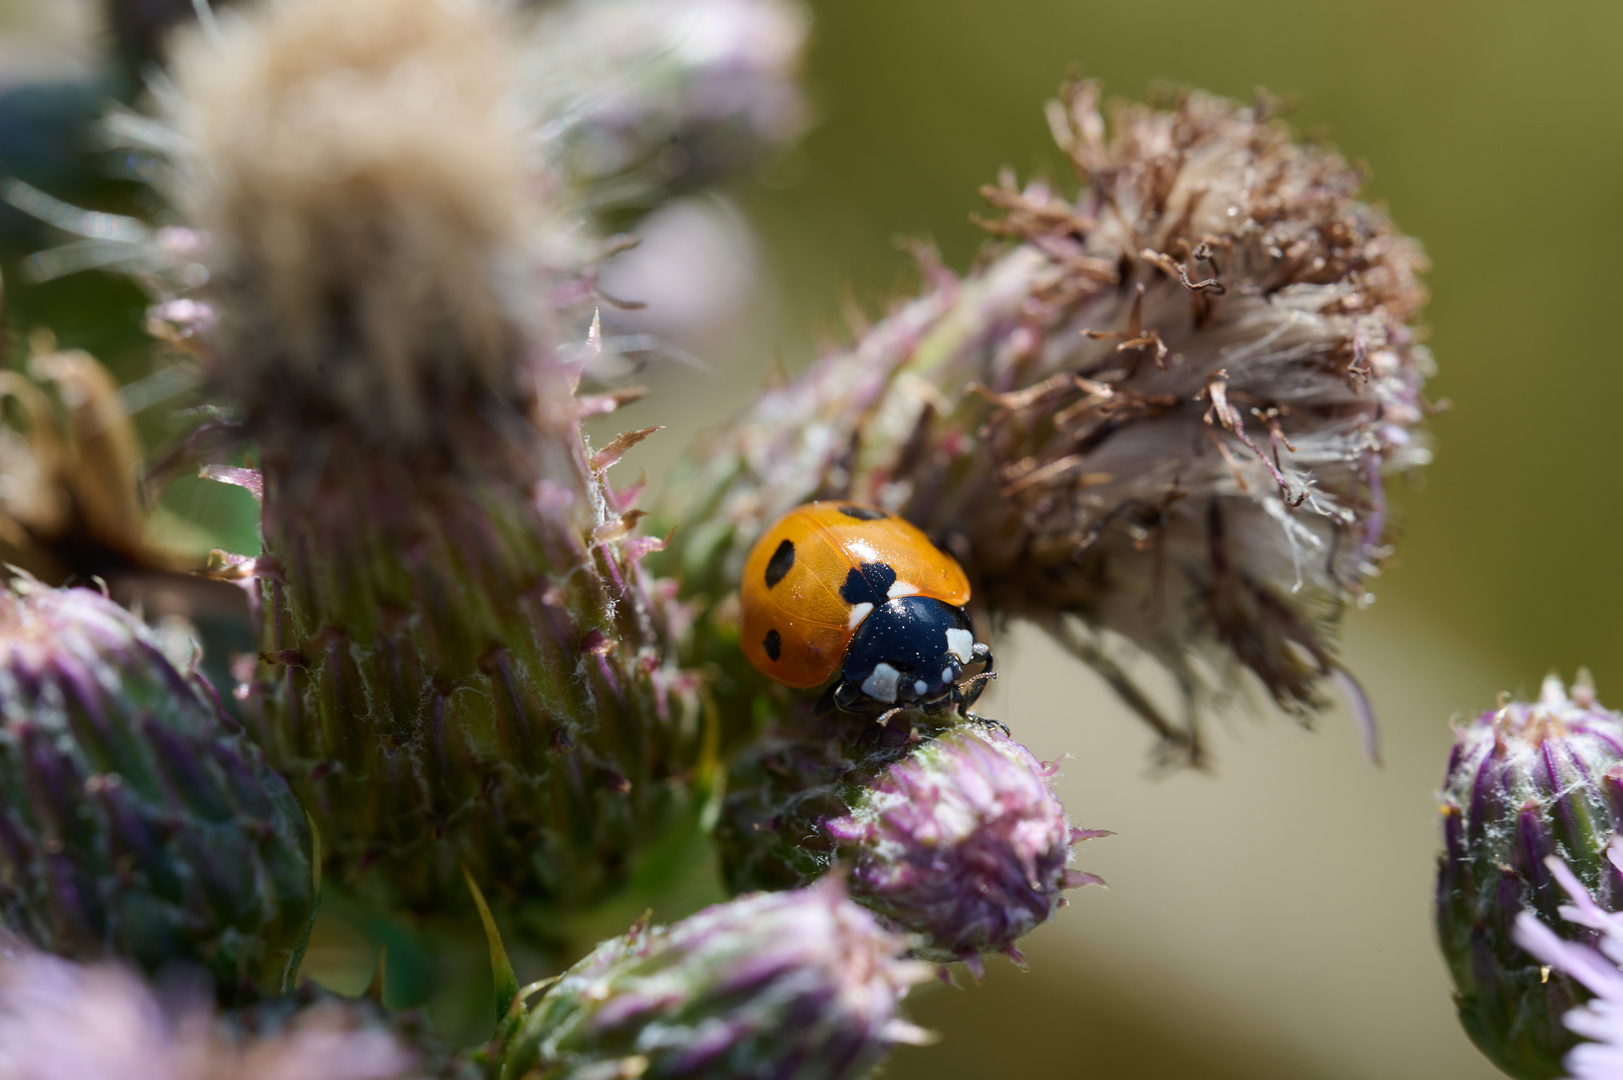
pixel 862 513
pixel 782 561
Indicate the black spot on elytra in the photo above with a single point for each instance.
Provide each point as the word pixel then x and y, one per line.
pixel 782 561
pixel 773 643
pixel 869 585
pixel 862 513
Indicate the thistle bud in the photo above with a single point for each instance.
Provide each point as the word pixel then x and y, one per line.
pixel 463 664
pixel 1600 971
pixel 1526 782
pixel 957 840
pixel 136 818
pixel 1162 409
pixel 804 984
pixel 61 1020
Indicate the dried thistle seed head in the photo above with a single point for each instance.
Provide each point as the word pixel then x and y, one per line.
pixel 647 96
pixel 359 175
pixel 1162 409
pixel 1525 783
pixel 1598 970
pixel 136 819
pixel 803 983
pixel 61 1020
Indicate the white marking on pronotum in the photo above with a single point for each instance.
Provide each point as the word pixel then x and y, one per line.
pixel 920 687
pixel 858 613
pixel 946 674
pixel 902 588
pixel 881 685
pixel 961 643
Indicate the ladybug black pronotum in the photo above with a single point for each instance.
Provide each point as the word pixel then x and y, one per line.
pixel 845 586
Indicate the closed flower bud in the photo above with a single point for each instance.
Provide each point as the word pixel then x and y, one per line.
pixel 957 840
pixel 462 662
pixel 1526 782
pixel 803 984
pixel 61 1020
pixel 136 818
pixel 963 843
pixel 1162 409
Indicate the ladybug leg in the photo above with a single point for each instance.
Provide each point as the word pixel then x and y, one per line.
pixel 987 721
pixel 849 698
pixel 976 684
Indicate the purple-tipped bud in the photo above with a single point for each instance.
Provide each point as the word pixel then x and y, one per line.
pixel 136 818
pixel 61 1020
pixel 1600 971
pixel 1525 782
pixel 803 984
pixel 963 843
pixel 956 839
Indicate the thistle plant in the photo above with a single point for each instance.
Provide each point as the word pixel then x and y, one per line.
pixel 801 983
pixel 462 663
pixel 136 818
pixel 1526 783
pixel 1160 411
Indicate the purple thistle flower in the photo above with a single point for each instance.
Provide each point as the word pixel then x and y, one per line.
pixel 1598 968
pixel 61 1020
pixel 136 818
pixel 802 983
pixel 1526 783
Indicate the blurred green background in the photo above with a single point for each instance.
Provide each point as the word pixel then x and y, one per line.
pixel 1272 919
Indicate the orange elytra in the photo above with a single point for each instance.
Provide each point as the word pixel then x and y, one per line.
pixel 820 572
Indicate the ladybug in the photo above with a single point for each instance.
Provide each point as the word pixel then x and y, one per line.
pixel 843 586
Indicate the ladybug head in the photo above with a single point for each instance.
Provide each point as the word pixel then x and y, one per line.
pixel 909 650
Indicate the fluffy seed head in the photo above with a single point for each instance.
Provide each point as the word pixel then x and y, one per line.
pixel 1525 783
pixel 962 843
pixel 360 180
pixel 803 983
